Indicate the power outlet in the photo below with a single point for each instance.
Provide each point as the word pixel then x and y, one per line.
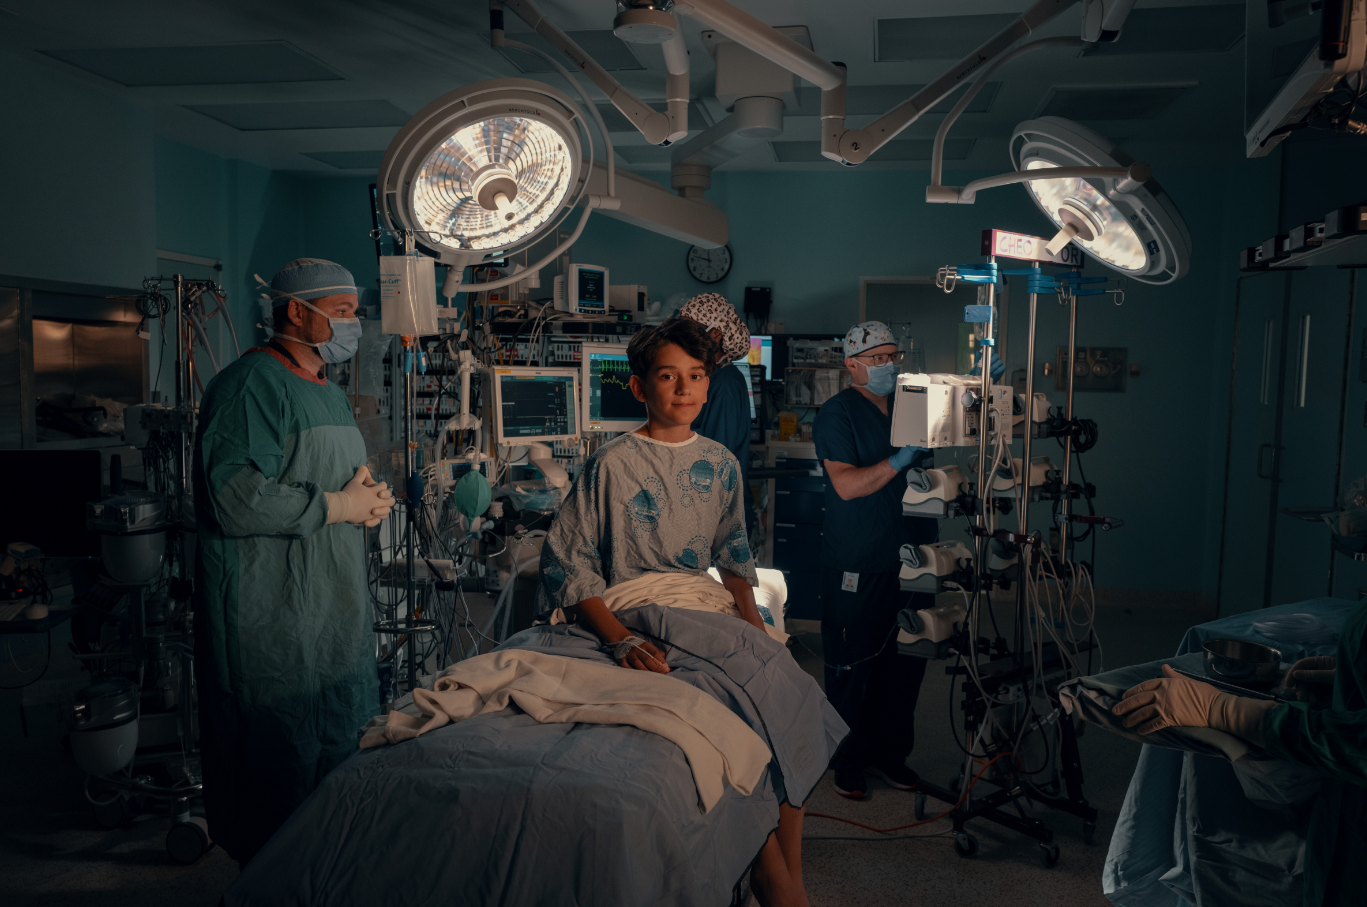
pixel 1095 368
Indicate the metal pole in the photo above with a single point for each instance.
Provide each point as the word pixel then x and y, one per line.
pixel 1023 497
pixel 183 404
pixel 1068 414
pixel 410 452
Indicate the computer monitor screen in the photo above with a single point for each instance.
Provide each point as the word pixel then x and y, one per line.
pixel 46 506
pixel 536 404
pixel 744 366
pixel 761 353
pixel 608 401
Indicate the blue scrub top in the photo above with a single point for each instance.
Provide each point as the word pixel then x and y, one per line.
pixel 725 418
pixel 865 534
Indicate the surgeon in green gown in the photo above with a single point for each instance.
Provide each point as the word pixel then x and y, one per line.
pixel 285 658
pixel 1325 730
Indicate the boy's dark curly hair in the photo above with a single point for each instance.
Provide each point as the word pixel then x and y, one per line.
pixel 690 336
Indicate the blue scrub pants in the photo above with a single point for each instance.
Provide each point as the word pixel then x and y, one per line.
pixel 875 696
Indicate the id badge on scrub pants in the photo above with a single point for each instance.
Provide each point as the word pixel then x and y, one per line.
pixel 849 582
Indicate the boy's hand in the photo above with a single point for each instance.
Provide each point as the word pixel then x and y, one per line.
pixel 645 657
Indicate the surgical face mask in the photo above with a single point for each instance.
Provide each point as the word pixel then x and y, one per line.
pixel 345 339
pixel 882 378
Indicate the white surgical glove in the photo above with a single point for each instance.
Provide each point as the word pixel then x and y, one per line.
pixel 362 501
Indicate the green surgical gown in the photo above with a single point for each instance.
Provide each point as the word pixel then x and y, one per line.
pixel 284 650
pixel 1333 741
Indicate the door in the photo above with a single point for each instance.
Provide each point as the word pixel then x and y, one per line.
pixel 1310 435
pixel 1251 499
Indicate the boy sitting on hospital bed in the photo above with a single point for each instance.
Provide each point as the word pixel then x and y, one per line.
pixel 650 512
pixel 654 508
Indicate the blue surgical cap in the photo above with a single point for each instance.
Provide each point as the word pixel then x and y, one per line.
pixel 866 336
pixel 311 278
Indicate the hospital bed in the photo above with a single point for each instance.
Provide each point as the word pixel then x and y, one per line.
pixel 499 809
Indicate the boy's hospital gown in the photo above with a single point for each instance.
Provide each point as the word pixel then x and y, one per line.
pixel 642 506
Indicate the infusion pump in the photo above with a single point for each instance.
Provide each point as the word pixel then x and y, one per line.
pixel 934 411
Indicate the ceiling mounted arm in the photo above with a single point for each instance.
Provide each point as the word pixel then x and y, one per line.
pixel 652 124
pixel 857 144
pixel 781 50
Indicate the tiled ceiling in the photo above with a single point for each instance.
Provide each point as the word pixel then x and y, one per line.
pixel 199 64
pixel 899 150
pixel 303 115
pixel 1128 102
pixel 316 85
pixel 601 44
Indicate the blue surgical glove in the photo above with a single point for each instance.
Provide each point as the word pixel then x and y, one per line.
pixel 998 367
pixel 902 459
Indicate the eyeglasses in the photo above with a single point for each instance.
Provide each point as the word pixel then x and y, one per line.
pixel 880 358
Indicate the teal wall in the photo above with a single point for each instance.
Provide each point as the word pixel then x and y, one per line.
pixel 97 213
pixel 77 201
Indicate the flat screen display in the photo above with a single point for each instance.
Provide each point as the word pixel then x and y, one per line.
pixel 608 402
pixel 535 405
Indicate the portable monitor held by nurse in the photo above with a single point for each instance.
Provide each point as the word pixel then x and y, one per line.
pixel 872 687
pixel 285 655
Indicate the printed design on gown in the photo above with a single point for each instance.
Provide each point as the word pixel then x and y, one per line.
pixel 695 554
pixel 648 507
pixel 697 479
pixel 738 545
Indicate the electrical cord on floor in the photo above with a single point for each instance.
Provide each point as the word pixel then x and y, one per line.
pixel 962 798
pixel 46 663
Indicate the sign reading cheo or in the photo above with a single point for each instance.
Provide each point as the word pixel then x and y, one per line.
pixel 1028 248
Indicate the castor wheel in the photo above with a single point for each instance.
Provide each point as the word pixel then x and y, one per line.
pixel 188 840
pixel 1088 832
pixel 919 810
pixel 965 845
pixel 1049 852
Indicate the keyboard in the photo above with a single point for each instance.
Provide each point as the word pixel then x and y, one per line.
pixel 10 611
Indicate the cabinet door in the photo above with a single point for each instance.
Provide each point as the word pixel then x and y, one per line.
pixel 1317 334
pixel 1249 524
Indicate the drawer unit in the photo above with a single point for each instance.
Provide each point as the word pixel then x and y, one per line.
pixel 797 546
pixel 816 483
pixel 804 594
pixel 799 507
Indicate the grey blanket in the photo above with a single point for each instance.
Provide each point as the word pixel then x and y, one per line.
pixel 502 810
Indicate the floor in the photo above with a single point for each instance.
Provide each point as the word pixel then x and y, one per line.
pixel 53 853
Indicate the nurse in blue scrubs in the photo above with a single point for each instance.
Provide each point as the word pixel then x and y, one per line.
pixel 872 687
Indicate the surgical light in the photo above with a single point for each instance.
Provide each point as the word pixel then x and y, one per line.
pixel 486 170
pixel 1125 221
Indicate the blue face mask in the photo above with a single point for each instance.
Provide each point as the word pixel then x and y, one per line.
pixel 345 340
pixel 882 378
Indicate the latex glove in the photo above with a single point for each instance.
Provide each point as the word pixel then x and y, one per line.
pixel 1169 701
pixel 1311 679
pixel 902 458
pixel 362 501
pixel 998 367
pixel 1241 716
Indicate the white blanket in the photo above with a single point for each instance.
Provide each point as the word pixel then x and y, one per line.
pixel 719 745
pixel 680 590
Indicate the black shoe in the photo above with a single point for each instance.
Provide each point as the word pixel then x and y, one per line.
pixel 850 782
pixel 895 774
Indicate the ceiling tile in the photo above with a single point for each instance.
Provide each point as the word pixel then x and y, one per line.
pixel 1178 30
pixel 303 115
pixel 643 154
pixel 608 50
pixel 1112 102
pixel 896 150
pixel 349 160
pixel 934 37
pixel 209 64
pixel 879 99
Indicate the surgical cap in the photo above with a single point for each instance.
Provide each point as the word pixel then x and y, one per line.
pixel 866 336
pixel 714 312
pixel 311 278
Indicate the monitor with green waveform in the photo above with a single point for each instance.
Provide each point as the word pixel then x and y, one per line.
pixel 608 402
